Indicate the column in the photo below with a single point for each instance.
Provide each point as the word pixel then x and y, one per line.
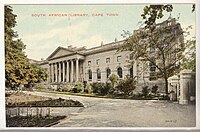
pixel 67 77
pixel 52 72
pixel 63 71
pixel 72 71
pixel 56 72
pixel 77 69
pixel 59 78
pixel 49 74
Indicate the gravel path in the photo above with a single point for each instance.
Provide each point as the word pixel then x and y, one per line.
pixel 104 112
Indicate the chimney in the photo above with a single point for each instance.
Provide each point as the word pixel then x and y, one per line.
pixel 101 43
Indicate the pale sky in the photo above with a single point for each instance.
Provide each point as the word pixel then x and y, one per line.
pixel 43 34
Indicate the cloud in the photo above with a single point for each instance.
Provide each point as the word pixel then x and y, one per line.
pixel 59 33
pixel 41 45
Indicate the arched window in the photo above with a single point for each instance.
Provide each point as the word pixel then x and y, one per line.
pixel 131 72
pixel 119 72
pixel 90 74
pixel 98 74
pixel 108 72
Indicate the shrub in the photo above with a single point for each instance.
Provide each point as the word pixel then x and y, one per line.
pixel 104 90
pixel 66 89
pixel 40 87
pixel 126 86
pixel 145 91
pixel 95 86
pixel 101 88
pixel 154 89
pixel 77 88
pixel 113 79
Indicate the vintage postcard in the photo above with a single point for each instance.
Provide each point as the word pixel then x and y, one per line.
pixel 100 65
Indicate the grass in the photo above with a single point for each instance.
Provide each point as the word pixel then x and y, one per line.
pixel 26 100
pixel 90 95
pixel 106 96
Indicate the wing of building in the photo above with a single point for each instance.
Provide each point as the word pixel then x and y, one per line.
pixel 74 64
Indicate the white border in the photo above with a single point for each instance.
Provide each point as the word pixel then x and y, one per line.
pixel 2 60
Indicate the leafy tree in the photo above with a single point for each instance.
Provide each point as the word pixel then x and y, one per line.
pixel 153 12
pixel 190 55
pixel 152 44
pixel 18 71
pixel 126 86
pixel 163 48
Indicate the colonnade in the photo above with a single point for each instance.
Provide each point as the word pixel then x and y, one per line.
pixel 64 71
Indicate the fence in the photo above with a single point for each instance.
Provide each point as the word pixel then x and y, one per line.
pixel 28 111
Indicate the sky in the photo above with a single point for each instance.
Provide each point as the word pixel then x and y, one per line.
pixel 83 25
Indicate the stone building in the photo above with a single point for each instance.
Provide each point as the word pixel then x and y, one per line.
pixel 72 64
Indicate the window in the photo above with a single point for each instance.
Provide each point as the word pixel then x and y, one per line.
pixel 98 74
pixel 89 63
pixel 119 58
pixel 119 72
pixel 90 74
pixel 97 61
pixel 131 72
pixel 131 57
pixel 107 60
pixel 108 72
pixel 152 71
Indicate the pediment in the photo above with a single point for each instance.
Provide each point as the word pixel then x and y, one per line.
pixel 60 51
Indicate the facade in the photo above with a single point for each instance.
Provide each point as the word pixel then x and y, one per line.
pixel 72 64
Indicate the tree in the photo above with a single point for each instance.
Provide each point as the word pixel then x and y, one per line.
pixel 163 48
pixel 190 55
pixel 151 44
pixel 153 12
pixel 18 71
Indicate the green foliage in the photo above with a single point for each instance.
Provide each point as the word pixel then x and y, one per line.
pixel 153 12
pixel 66 89
pixel 18 71
pixel 189 60
pixel 161 44
pixel 154 89
pixel 126 86
pixel 40 87
pixel 101 88
pixel 113 79
pixel 145 91
pixel 77 88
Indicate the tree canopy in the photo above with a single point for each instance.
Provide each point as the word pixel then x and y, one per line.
pixel 163 49
pixel 153 12
pixel 162 46
pixel 18 71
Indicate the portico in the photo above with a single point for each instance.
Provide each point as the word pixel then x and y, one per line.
pixel 64 71
pixel 64 68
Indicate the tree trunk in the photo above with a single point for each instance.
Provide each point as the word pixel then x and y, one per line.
pixel 166 85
